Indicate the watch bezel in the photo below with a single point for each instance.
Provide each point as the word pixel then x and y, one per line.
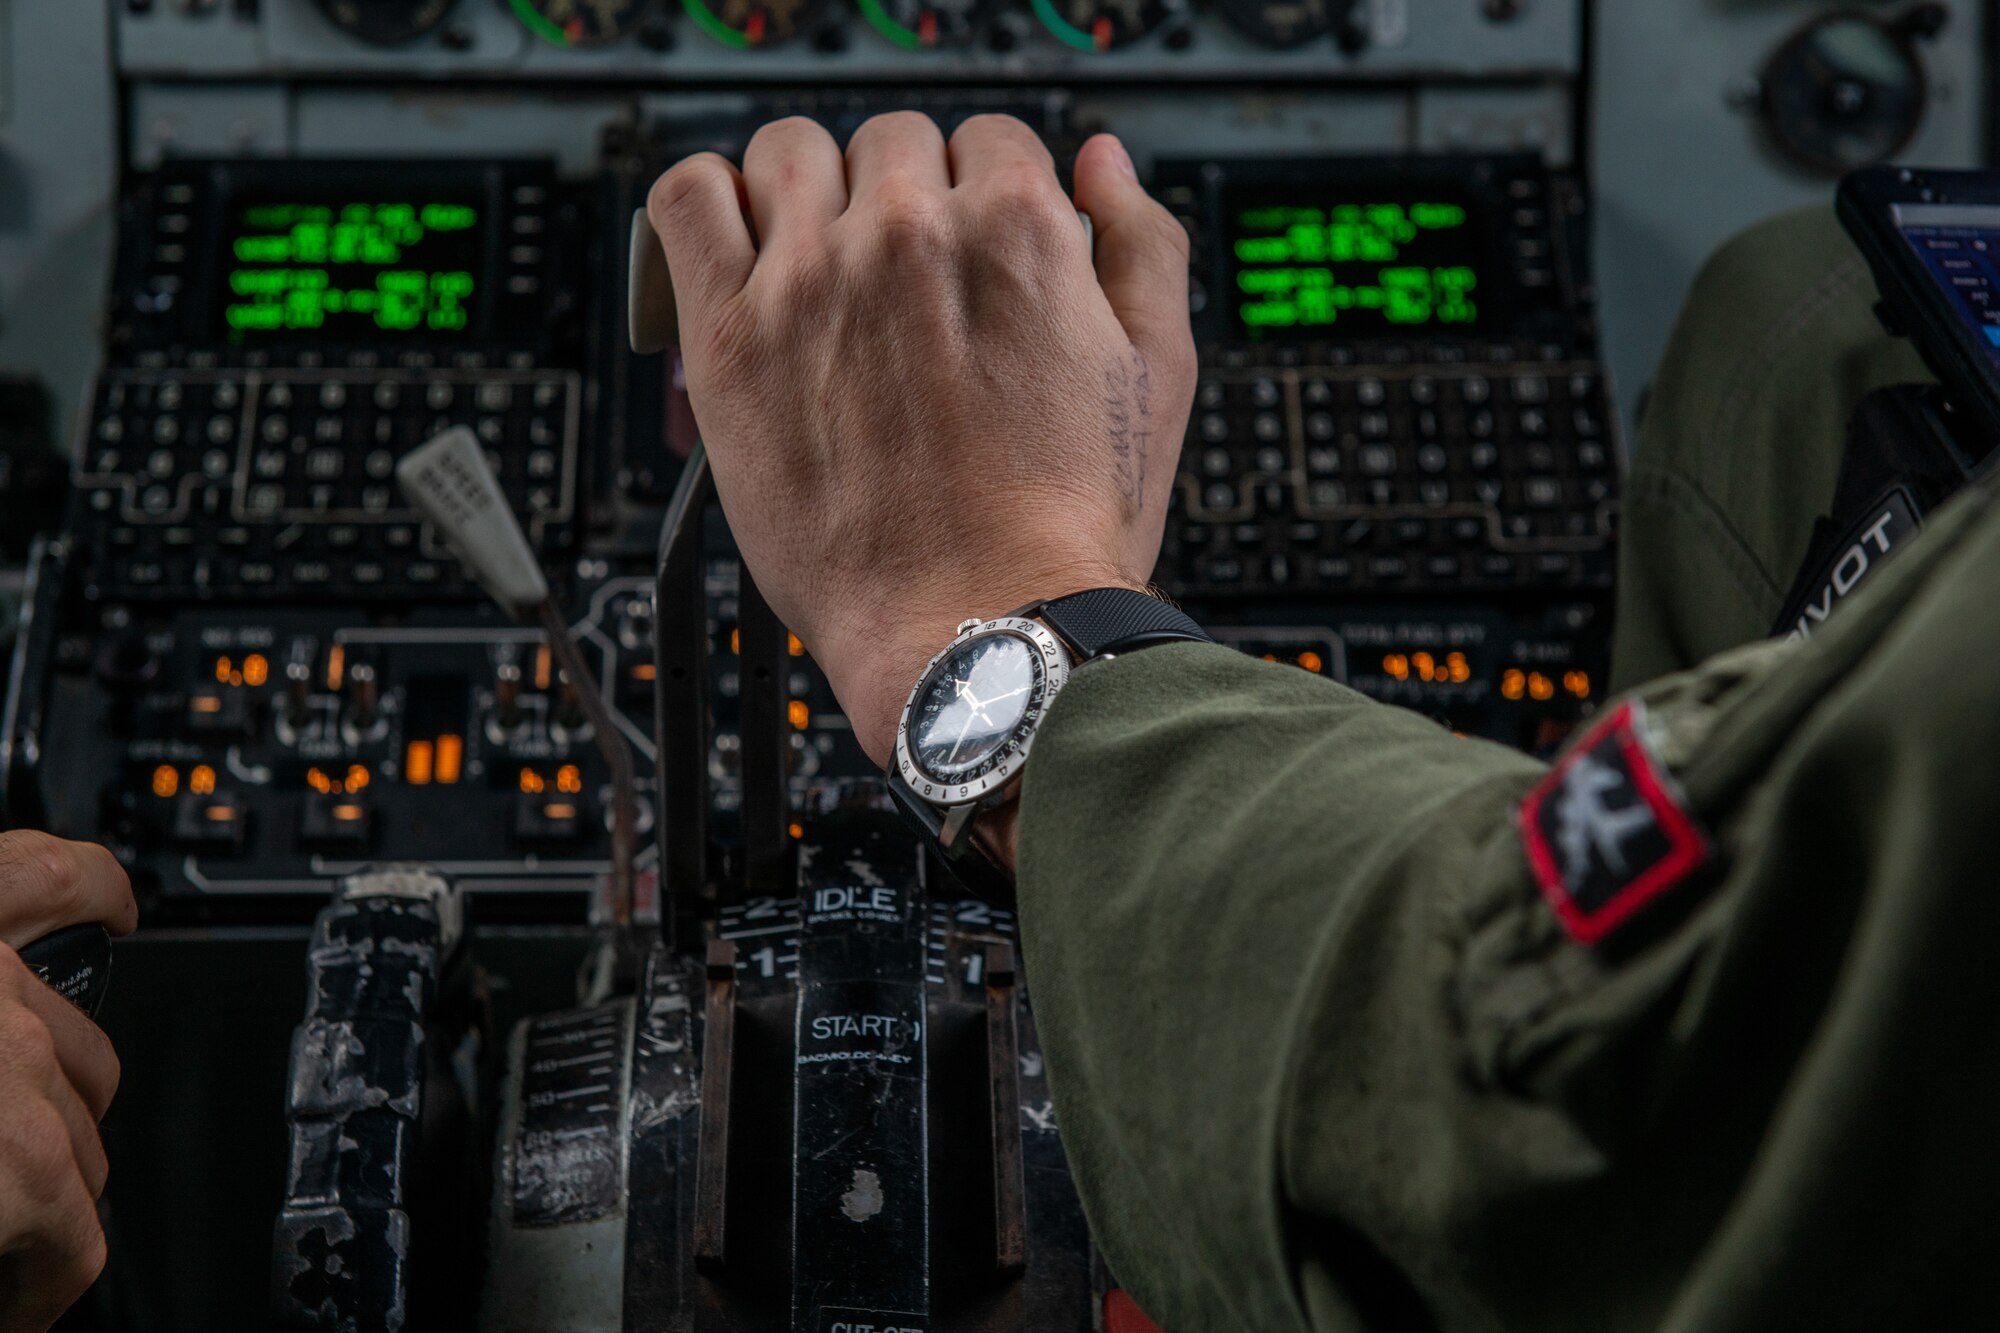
pixel 1056 665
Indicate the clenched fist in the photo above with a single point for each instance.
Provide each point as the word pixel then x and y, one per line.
pixel 57 1075
pixel 921 400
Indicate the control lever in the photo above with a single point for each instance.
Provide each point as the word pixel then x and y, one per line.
pixel 76 961
pixel 450 483
pixel 718 1075
pixel 1003 1083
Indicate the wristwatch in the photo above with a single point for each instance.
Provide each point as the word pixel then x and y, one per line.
pixel 968 725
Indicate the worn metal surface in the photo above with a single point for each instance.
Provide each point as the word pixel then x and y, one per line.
pixel 861 1249
pixel 545 1278
pixel 345 1253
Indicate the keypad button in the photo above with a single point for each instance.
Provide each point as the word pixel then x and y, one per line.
pixel 1327 495
pixel 1376 460
pixel 1531 389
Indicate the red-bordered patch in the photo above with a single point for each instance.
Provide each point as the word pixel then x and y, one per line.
pixel 1608 830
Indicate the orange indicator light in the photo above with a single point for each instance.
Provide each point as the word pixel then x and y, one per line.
pixel 336 667
pixel 531 782
pixel 318 781
pixel 221 814
pixel 256 669
pixel 798 830
pixel 736 641
pixel 794 646
pixel 645 671
pixel 201 780
pixel 1540 687
pixel 1513 683
pixel 801 714
pixel 224 669
pixel 206 703
pixel 357 777
pixel 166 780
pixel 569 779
pixel 417 764
pixel 542 667
pixel 559 810
pixel 1396 666
pixel 1577 683
pixel 1311 661
pixel 450 758
pixel 348 813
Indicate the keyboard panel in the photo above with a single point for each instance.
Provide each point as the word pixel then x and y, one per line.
pixel 273 483
pixel 1485 475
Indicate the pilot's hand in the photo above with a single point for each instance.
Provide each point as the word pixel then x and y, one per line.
pixel 921 401
pixel 57 1075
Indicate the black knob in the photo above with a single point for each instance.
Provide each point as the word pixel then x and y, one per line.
pixel 127 661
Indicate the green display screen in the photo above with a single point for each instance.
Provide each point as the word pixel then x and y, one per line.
pixel 1359 267
pixel 345 270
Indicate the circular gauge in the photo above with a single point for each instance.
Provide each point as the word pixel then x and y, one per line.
pixel 1101 25
pixel 1846 91
pixel 1280 22
pixel 924 25
pixel 582 22
pixel 386 22
pixel 750 25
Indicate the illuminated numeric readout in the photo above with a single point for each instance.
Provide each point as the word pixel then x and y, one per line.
pixel 334 269
pixel 1353 269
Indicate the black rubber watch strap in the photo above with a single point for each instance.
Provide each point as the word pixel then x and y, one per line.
pixel 1115 620
pixel 972 867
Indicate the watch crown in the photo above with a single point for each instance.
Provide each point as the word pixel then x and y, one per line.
pixel 964 626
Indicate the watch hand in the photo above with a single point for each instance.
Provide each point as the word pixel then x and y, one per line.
pixel 982 707
pixel 959 744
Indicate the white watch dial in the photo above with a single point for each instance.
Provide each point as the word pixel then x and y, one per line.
pixel 974 705
pixel 969 722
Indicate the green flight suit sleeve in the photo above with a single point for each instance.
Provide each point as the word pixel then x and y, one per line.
pixel 1739 445
pixel 1325 1059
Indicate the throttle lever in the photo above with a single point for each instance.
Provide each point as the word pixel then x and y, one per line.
pixel 75 962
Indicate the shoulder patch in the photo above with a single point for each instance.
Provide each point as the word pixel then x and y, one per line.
pixel 1608 830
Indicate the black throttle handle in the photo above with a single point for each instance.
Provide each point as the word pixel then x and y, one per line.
pixel 76 961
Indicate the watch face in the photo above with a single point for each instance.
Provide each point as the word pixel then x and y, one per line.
pixel 976 706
